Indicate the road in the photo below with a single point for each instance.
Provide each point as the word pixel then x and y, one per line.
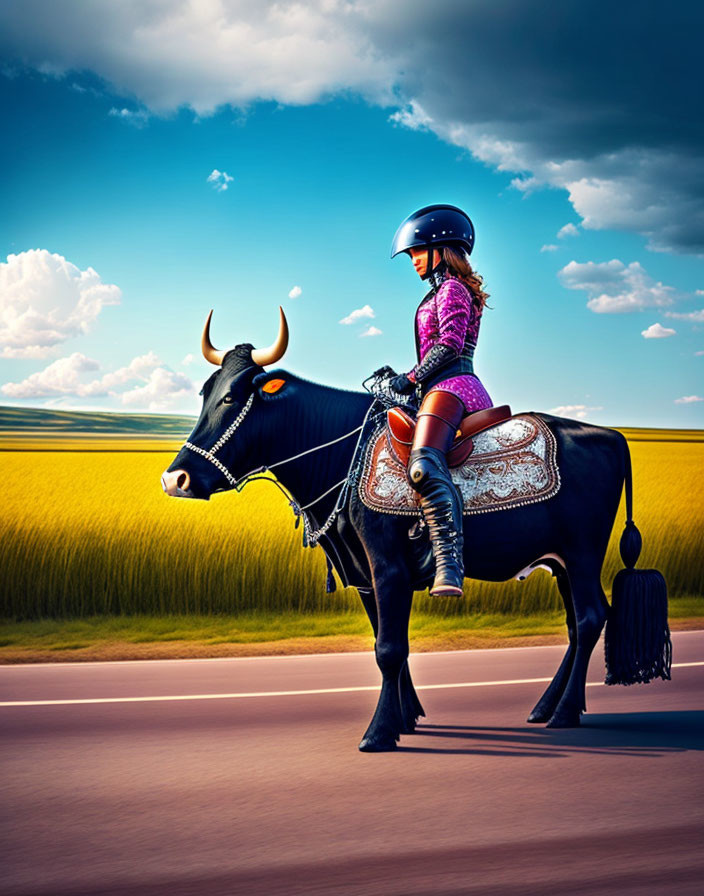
pixel 248 780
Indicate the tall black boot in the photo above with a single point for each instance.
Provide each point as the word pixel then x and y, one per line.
pixel 441 506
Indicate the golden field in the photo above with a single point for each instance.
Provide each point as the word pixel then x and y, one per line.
pixel 87 531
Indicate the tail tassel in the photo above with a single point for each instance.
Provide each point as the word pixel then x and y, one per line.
pixel 638 646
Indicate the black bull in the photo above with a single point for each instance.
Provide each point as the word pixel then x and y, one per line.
pixel 371 551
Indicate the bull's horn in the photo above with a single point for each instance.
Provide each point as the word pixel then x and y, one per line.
pixel 210 353
pixel 275 352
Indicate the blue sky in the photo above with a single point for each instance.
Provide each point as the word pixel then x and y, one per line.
pixel 114 243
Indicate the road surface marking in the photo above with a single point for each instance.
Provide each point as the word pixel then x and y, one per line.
pixel 302 693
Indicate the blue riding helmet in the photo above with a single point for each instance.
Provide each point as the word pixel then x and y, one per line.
pixel 432 227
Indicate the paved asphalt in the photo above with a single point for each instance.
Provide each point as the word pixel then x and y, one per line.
pixel 264 791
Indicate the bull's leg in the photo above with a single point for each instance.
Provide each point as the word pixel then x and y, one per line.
pixel 369 602
pixel 590 608
pixel 411 707
pixel 545 707
pixel 393 599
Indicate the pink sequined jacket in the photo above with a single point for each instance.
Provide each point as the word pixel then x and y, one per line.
pixel 447 328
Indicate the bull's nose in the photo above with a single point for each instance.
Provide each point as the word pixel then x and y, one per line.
pixel 175 482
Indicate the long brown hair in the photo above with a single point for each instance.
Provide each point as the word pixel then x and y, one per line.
pixel 458 264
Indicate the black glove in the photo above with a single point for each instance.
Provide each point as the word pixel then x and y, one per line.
pixel 437 357
pixel 385 371
pixel 402 384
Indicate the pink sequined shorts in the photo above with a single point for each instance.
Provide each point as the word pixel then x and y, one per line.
pixel 469 389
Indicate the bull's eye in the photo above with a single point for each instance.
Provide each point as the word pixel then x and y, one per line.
pixel 228 399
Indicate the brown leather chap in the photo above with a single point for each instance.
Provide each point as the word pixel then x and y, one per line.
pixel 437 421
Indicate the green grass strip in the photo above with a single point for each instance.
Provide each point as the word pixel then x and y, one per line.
pixel 253 628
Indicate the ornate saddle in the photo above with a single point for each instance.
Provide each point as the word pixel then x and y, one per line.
pixel 495 465
pixel 402 426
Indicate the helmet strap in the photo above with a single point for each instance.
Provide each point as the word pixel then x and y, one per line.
pixel 437 275
pixel 430 252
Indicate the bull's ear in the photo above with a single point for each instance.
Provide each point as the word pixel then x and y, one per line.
pixel 271 385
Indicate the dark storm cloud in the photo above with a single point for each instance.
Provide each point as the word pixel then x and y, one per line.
pixel 582 78
pixel 600 99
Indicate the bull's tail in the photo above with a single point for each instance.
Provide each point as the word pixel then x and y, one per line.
pixel 637 641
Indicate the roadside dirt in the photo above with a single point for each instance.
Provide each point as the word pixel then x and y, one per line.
pixel 124 650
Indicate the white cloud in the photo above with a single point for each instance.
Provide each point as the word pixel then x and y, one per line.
pixel 577 411
pixel 158 387
pixel 358 314
pixel 62 377
pixel 614 287
pixel 371 331
pixel 567 230
pixel 631 189
pixel 136 117
pixel 698 354
pixel 213 52
pixel 688 399
pixel 549 247
pixel 699 292
pixel 657 331
pixel 164 389
pixel 295 292
pixel 219 179
pixel 45 300
pixel 207 54
pixel 189 359
pixel 138 369
pixel 525 185
pixel 412 116
pixel 696 316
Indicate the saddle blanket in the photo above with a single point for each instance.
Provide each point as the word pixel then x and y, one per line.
pixel 512 464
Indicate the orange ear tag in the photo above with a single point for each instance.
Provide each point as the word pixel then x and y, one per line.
pixel 272 385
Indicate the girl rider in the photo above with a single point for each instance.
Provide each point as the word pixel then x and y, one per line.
pixel 439 239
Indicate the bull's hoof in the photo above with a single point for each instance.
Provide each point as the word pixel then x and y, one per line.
pixel 538 716
pixel 409 725
pixel 376 745
pixel 564 720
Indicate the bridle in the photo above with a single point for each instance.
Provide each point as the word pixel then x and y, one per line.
pixel 229 432
pixel 310 536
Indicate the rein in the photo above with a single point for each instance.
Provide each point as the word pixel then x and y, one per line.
pixel 310 536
